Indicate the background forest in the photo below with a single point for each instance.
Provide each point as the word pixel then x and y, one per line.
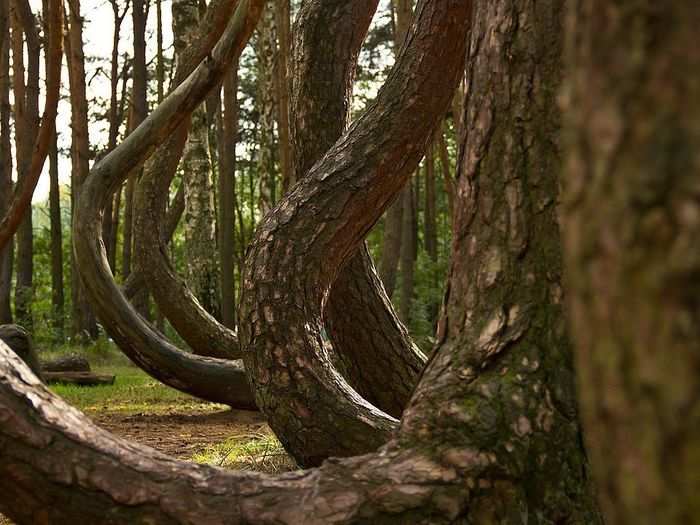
pixel 225 183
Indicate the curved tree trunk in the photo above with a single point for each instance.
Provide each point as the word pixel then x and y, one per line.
pixel 212 379
pixel 374 350
pixel 491 434
pixel 300 248
pixel 632 225
pixel 199 329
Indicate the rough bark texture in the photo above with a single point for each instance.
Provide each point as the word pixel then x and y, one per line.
pixel 265 49
pixel 371 347
pixel 20 342
pixel 489 436
pixel 212 379
pixel 6 254
pixel 300 248
pixel 84 323
pixel 199 329
pixel 201 256
pixel 632 231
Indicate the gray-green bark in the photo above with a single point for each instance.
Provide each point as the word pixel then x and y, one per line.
pixel 201 259
pixel 632 232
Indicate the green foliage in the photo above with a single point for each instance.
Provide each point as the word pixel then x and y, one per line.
pixel 259 452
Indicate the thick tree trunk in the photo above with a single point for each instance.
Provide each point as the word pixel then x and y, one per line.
pixel 491 434
pixel 6 254
pixel 318 226
pixel 217 380
pixel 632 231
pixel 359 318
pixel 201 260
pixel 84 323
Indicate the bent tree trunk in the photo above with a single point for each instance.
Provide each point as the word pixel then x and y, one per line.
pixel 489 436
pixel 224 379
pixel 198 328
pixel 632 225
pixel 369 343
pixel 300 248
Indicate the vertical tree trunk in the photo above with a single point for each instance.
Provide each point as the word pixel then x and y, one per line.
pixel 429 209
pixel 26 125
pixel 265 48
pixel 202 265
pixel 57 296
pixel 446 176
pixel 84 323
pixel 227 190
pixel 632 231
pixel 6 254
pixel 160 65
pixel 408 248
pixel 282 86
pixel 402 11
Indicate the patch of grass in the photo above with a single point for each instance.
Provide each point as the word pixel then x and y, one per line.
pixel 259 452
pixel 133 390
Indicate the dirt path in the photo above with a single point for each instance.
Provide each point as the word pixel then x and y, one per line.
pixel 182 434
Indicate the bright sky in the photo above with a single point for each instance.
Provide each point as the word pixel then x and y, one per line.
pixel 98 31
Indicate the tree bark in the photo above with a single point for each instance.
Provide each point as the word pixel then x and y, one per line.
pixel 57 296
pixel 359 318
pixel 632 228
pixel 283 88
pixel 6 254
pixel 298 252
pixel 200 330
pixel 26 113
pixel 201 259
pixel 217 380
pixel 84 323
pixel 489 436
pixel 265 49
pixel 227 191
pixel 408 250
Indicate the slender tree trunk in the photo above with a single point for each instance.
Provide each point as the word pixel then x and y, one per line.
pixel 632 231
pixel 84 323
pixel 160 65
pixel 402 11
pixel 282 87
pixel 408 249
pixel 26 111
pixel 227 194
pixel 201 260
pixel 265 48
pixel 6 254
pixel 446 176
pixel 57 297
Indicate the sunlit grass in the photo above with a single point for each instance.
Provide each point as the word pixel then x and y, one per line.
pixel 259 452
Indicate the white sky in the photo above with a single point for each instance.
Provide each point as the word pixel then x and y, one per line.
pixel 98 31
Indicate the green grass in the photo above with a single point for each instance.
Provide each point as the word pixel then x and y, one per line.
pixel 259 452
pixel 133 391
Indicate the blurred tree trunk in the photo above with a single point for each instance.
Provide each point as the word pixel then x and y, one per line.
pixel 26 111
pixel 265 41
pixel 201 259
pixel 632 232
pixel 408 251
pixel 283 87
pixel 6 254
pixel 84 322
pixel 402 12
pixel 227 196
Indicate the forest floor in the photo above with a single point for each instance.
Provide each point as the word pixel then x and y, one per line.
pixel 142 410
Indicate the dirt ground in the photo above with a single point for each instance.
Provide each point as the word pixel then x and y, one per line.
pixel 182 434
pixel 179 434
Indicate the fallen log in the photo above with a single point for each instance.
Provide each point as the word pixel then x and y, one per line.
pixel 68 363
pixel 79 378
